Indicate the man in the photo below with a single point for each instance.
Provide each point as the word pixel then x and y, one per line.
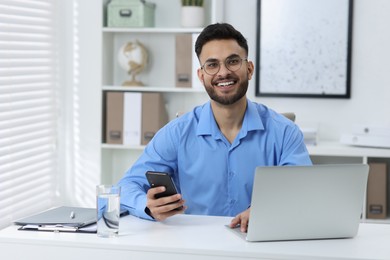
pixel 212 152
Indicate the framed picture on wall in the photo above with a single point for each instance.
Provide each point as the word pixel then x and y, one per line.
pixel 304 48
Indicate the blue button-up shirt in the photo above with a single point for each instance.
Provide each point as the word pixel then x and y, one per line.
pixel 215 177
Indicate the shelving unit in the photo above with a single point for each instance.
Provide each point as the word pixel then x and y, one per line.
pixel 158 77
pixel 334 153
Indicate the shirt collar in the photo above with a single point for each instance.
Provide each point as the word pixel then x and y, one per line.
pixel 252 118
pixel 208 126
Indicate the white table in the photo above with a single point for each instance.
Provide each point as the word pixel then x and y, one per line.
pixel 187 237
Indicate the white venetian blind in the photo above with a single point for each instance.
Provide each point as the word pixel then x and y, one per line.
pixel 28 107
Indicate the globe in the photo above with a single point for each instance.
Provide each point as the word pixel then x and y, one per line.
pixel 133 57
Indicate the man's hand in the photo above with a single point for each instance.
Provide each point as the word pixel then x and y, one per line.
pixel 165 207
pixel 241 219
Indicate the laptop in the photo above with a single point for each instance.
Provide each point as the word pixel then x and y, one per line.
pixel 306 202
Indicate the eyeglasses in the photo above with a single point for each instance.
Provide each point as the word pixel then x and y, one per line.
pixel 233 64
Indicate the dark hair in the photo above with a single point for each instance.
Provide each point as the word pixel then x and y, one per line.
pixel 219 31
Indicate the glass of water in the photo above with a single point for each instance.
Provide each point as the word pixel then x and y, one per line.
pixel 107 210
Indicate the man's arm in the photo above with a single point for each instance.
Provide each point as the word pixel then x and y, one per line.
pixel 159 155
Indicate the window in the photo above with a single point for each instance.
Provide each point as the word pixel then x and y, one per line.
pixel 28 107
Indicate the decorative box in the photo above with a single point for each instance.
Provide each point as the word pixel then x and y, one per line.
pixel 130 13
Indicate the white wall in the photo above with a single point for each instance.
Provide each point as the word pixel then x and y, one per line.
pixel 370 86
pixel 81 114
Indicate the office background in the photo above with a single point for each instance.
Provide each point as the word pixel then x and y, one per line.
pixel 80 40
pixel 370 84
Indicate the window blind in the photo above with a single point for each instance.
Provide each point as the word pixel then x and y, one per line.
pixel 28 107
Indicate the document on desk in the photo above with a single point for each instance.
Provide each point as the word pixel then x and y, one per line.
pixel 61 219
pixel 61 228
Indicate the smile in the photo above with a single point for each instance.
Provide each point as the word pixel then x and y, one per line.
pixel 225 84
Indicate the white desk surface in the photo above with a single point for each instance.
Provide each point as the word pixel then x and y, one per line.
pixel 187 237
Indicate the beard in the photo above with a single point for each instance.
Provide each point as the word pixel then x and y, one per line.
pixel 227 99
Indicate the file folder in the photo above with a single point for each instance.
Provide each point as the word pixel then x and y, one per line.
pixel 63 219
pixel 377 191
pixel 114 118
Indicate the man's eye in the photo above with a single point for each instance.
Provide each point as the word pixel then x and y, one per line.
pixel 233 61
pixel 212 65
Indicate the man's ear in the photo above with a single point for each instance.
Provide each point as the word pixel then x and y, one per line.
pixel 200 75
pixel 250 69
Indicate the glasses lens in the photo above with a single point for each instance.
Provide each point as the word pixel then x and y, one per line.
pixel 211 67
pixel 233 64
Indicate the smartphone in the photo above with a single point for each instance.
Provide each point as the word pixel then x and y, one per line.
pixel 156 179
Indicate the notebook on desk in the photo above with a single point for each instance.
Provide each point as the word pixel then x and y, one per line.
pixel 306 202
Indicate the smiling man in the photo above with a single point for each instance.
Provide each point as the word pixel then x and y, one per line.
pixel 211 152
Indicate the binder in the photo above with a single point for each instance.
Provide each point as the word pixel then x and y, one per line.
pixel 377 191
pixel 183 52
pixel 114 117
pixel 187 63
pixel 154 115
pixel 365 140
pixel 132 113
pixel 371 130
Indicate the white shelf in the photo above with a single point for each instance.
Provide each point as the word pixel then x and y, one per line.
pixel 123 147
pixel 334 148
pixel 376 221
pixel 151 30
pixel 330 148
pixel 153 89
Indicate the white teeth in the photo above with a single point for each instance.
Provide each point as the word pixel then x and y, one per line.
pixel 224 84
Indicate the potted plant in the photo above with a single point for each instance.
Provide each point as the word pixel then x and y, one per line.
pixel 192 3
pixel 192 13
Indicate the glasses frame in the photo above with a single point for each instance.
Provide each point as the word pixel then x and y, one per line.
pixel 224 62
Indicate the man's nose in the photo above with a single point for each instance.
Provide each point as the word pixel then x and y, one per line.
pixel 223 70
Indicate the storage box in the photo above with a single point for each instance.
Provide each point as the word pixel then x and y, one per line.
pixel 130 13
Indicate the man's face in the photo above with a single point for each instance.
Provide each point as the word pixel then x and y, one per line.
pixel 225 87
